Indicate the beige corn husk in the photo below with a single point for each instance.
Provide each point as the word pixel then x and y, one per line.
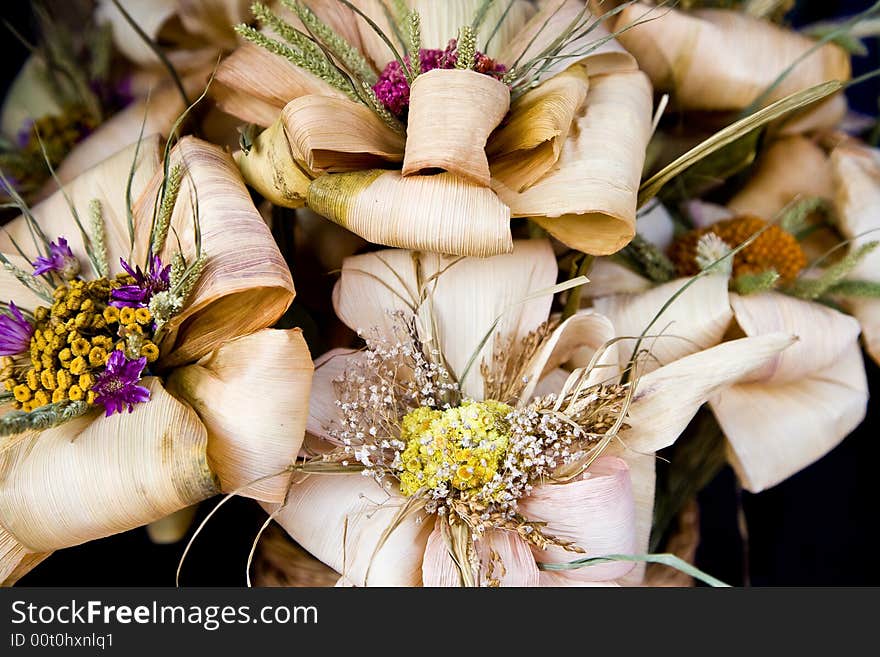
pixel 96 476
pixel 352 525
pixel 544 28
pixel 530 141
pixel 156 114
pixel 774 431
pixel 608 277
pixel 15 560
pixel 255 85
pixel 331 135
pixel 803 402
pixel 246 285
pixel 666 399
pixel 172 528
pixel 697 320
pixel 642 474
pixel 251 433
pixel 270 168
pixel 463 313
pixel 183 26
pixel 776 182
pixel 588 199
pixel 856 177
pixel 442 20
pixel 824 115
pixel 682 543
pixel 280 562
pixel 31 90
pixel 439 213
pixel 722 59
pixel 471 104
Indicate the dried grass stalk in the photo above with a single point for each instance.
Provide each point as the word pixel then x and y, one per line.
pixel 724 60
pixel 588 199
pixel 529 143
pixel 251 434
pixel 471 104
pixel 440 213
pixel 331 135
pixel 93 476
pixel 553 18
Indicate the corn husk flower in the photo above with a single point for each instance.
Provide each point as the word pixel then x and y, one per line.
pixel 73 102
pixel 150 380
pixel 790 414
pixel 483 111
pixel 460 452
pixel 725 60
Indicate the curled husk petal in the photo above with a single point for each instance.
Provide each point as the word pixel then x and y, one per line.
pixel 270 168
pixel 457 143
pixel 251 393
pixel 588 199
pixel 103 475
pixel 715 59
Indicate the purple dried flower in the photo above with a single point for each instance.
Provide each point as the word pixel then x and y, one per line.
pixel 392 87
pixel 117 386
pixel 138 295
pixel 60 260
pixel 15 332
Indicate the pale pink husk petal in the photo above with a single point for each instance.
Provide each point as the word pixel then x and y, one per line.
pixel 696 320
pixel 588 199
pixel 341 518
pixel 823 334
pixel 666 399
pixel 775 183
pixel 96 476
pixel 517 562
pixel 252 395
pixel 856 176
pixel 464 301
pixel 773 431
pixel 246 284
pixel 322 401
pixel 595 512
pixel 552 579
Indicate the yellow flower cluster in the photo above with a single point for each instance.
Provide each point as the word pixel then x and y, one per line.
pixel 461 447
pixel 72 341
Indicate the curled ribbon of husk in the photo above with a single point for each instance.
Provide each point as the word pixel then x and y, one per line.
pixel 716 59
pixel 441 213
pixel 471 104
pixel 588 199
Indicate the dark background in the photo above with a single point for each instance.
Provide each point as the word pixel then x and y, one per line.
pixel 814 529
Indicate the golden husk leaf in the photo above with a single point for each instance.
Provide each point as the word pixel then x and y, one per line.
pixel 530 141
pixel 472 105
pixel 588 199
pixel 722 59
pixel 270 168
pixel 439 213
